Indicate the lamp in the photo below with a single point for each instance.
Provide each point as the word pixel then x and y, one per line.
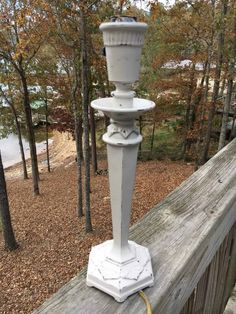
pixel 121 267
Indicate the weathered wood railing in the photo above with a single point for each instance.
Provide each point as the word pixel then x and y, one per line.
pixel 192 239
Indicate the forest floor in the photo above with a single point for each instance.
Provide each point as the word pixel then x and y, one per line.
pixel 53 245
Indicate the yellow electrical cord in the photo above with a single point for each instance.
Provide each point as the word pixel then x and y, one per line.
pixel 146 301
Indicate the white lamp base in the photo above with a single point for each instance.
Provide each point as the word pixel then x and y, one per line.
pixel 119 280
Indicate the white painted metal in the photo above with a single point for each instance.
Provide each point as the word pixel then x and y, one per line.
pixel 120 267
pixel 123 42
pixel 119 280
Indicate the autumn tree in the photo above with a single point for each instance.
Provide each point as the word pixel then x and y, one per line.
pixel 230 80
pixel 172 50
pixel 45 76
pixel 185 52
pixel 218 70
pixel 71 24
pixel 10 100
pixel 66 43
pixel 23 30
pixel 77 27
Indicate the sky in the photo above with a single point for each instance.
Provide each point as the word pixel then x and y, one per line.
pixel 144 3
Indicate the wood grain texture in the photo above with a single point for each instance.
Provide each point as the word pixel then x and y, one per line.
pixel 224 257
pixel 213 289
pixel 231 273
pixel 188 308
pixel 183 234
pixel 201 293
pixel 212 284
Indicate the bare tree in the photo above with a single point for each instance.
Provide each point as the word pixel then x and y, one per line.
pixel 85 102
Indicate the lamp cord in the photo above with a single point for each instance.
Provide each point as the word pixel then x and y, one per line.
pixel 146 301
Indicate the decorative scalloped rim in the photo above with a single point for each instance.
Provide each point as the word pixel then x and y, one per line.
pixel 123 33
pixel 117 38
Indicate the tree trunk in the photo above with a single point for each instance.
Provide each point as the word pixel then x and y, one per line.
pixel 141 132
pixel 78 144
pixel 77 133
pixel 153 135
pixel 47 146
pixel 79 161
pixel 22 153
pixel 225 115
pixel 204 96
pixel 222 88
pixel 80 136
pixel 188 110
pixel 199 110
pixel 203 100
pixel 93 141
pixel 227 104
pixel 78 141
pixel 31 137
pixel 120 9
pixel 85 101
pixel 103 92
pixel 216 83
pixel 8 233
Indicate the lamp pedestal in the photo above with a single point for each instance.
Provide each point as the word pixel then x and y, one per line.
pixel 119 280
pixel 120 267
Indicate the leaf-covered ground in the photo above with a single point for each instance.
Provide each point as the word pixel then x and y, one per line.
pixel 53 243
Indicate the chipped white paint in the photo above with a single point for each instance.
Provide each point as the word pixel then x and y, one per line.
pixel 120 267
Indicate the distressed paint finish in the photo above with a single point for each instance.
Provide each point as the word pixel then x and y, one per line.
pixel 183 233
pixel 122 166
pixel 120 267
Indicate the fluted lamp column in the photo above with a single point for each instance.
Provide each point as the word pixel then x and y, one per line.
pixel 121 267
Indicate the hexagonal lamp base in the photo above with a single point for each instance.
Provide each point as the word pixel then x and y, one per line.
pixel 119 280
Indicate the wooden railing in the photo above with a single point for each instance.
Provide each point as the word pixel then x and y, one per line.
pixel 192 239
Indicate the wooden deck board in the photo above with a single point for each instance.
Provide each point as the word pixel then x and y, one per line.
pixel 183 234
